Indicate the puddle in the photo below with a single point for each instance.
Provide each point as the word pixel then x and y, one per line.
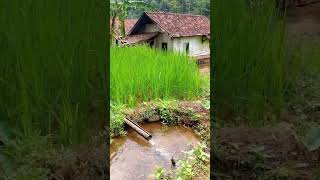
pixel 132 157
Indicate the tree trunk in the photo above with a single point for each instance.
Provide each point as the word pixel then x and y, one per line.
pixel 113 27
pixel 122 27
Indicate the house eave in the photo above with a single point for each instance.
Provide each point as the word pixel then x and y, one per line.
pixel 180 36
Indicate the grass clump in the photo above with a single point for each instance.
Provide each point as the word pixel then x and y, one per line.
pixel 117 120
pixel 27 157
pixel 249 59
pixel 142 74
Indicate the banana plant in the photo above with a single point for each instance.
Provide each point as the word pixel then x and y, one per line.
pixel 119 9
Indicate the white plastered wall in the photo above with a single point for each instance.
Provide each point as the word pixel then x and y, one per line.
pixel 196 45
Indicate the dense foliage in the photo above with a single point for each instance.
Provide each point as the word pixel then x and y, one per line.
pixel 199 7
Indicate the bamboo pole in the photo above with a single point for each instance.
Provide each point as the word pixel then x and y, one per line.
pixel 138 128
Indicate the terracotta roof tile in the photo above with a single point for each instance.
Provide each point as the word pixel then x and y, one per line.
pixel 131 39
pixel 181 24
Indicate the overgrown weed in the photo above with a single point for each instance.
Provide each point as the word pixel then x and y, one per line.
pixel 28 157
pixel 195 163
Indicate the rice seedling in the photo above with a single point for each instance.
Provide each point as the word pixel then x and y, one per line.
pixel 53 66
pixel 249 43
pixel 142 74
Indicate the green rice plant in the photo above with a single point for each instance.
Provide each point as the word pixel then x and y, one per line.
pixel 141 74
pixel 53 66
pixel 69 123
pixel 248 45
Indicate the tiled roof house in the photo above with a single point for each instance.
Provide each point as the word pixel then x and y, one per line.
pixel 184 33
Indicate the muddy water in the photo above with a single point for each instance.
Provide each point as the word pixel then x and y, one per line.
pixel 134 158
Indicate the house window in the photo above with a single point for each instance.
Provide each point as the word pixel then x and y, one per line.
pixel 164 46
pixel 186 48
pixel 151 43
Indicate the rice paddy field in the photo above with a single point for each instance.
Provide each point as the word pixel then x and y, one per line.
pixel 141 74
pixel 166 89
pixel 249 59
pixel 53 81
pixel 266 91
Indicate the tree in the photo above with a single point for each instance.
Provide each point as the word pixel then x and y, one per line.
pixel 198 7
pixel 119 9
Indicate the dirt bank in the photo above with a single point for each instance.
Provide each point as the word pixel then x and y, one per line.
pixel 187 113
pixel 88 162
pixel 265 153
pixel 176 127
pixel 304 20
pixel 205 69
